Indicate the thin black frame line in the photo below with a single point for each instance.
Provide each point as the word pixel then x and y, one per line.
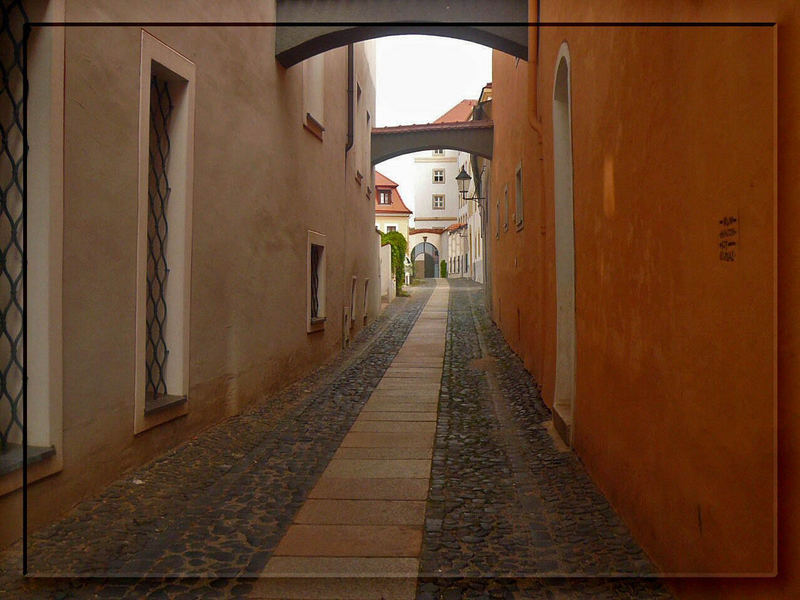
pixel 405 24
pixel 26 29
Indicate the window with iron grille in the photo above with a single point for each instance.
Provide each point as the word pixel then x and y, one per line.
pixel 438 201
pixel 315 290
pixel 166 146
pixel 31 297
pixel 12 216
pixel 158 192
pixel 438 176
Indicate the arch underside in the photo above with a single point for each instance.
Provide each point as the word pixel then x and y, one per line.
pixel 311 27
pixel 477 140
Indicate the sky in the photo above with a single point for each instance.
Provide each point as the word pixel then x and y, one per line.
pixel 419 78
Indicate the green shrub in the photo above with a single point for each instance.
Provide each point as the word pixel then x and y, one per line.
pixel 443 269
pixel 399 246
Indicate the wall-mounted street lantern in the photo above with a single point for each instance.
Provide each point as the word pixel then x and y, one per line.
pixel 463 180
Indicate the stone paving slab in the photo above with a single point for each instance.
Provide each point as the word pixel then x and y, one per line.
pixel 335 566
pixel 401 394
pixel 409 385
pixel 356 453
pixel 332 588
pixel 344 540
pixel 371 468
pixel 369 415
pixel 383 404
pixel 361 512
pixel 370 489
pixel 356 439
pixel 394 426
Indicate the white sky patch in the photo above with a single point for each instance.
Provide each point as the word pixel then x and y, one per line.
pixel 419 78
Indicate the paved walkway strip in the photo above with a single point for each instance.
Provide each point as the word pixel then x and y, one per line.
pixel 359 534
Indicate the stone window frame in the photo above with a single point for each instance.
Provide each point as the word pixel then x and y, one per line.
pixel 353 289
pixel 435 173
pixel 365 304
pixel 45 253
pixel 314 324
pixel 180 71
pixel 434 198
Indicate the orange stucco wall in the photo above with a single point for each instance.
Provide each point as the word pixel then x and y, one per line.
pixel 673 129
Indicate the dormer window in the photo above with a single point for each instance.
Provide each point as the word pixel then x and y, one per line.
pixel 385 197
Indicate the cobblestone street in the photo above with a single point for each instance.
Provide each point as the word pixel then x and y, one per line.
pixel 510 512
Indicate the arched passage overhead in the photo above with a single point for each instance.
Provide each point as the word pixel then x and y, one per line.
pixel 475 137
pixel 333 23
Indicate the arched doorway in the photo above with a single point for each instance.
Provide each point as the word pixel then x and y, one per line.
pixel 564 398
pixel 425 258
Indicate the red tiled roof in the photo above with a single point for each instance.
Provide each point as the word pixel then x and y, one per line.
pixel 412 231
pixel 460 112
pixel 397 207
pixel 434 126
pixel 383 181
pixel 455 226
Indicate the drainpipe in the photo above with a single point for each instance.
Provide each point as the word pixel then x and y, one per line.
pixel 350 108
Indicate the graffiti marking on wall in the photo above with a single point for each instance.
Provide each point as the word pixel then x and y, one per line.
pixel 728 238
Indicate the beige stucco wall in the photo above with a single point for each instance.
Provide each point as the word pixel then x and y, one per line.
pixel 388 288
pixel 401 222
pixel 254 203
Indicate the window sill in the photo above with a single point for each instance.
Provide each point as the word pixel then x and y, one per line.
pixel 42 462
pixel 158 411
pixel 316 324
pixel 155 404
pixel 314 126
pixel 11 459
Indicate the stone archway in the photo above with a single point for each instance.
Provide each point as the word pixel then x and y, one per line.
pixel 427 255
pixel 309 27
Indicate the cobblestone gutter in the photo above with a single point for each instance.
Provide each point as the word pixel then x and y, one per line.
pixel 215 507
pixel 510 514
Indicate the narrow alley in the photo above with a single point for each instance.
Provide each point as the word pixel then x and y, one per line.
pixel 342 474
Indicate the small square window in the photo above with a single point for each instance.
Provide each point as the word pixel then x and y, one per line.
pixel 390 228
pixel 385 197
pixel 438 176
pixel 438 201
pixel 438 152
